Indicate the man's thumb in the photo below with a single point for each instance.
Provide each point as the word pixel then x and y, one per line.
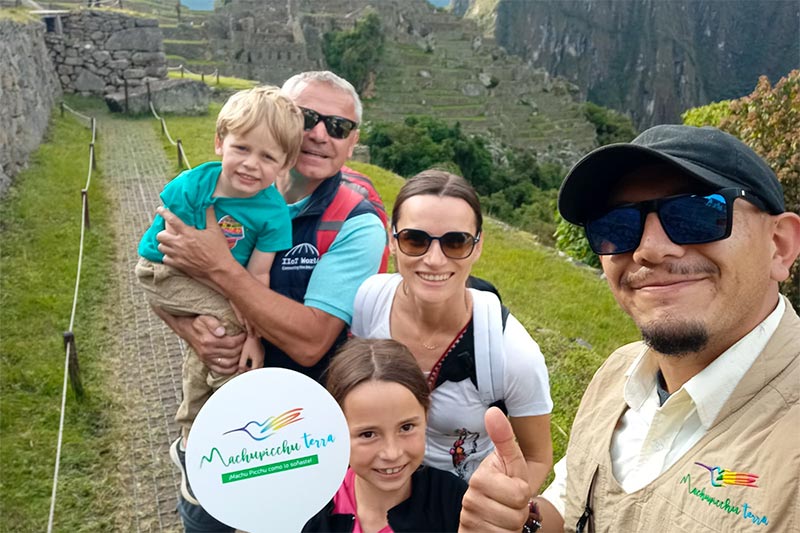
pixel 502 434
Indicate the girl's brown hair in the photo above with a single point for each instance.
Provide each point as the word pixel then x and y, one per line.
pixel 438 183
pixel 361 360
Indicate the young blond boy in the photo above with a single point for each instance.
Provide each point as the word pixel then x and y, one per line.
pixel 258 136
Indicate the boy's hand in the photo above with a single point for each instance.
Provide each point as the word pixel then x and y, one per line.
pixel 242 320
pixel 254 351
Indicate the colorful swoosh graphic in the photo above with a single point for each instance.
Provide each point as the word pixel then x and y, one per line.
pixel 721 477
pixel 257 430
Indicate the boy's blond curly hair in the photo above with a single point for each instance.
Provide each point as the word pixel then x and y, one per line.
pixel 265 104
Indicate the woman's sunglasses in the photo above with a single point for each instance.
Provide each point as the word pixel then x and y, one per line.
pixel 454 244
pixel 337 127
pixel 686 219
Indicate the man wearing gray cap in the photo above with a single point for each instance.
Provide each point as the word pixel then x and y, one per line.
pixel 697 426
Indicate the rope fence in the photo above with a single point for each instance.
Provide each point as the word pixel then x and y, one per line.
pixel 182 160
pixel 183 70
pixel 71 368
pixel 105 3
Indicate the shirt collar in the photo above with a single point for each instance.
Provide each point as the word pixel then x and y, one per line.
pixel 711 388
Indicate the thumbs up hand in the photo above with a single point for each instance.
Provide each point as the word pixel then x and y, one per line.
pixel 497 498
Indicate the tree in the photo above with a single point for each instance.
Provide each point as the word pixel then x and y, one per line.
pixel 405 148
pixel 474 160
pixel 611 126
pixel 355 54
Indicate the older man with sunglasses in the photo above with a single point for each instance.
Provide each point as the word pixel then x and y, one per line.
pixel 304 314
pixel 696 427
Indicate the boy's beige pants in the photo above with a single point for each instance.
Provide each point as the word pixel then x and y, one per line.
pixel 180 295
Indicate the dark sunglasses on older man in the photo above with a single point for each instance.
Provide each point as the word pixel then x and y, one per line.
pixel 686 219
pixel 337 127
pixel 454 244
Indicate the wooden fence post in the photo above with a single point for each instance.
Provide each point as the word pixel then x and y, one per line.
pixel 85 198
pixel 72 364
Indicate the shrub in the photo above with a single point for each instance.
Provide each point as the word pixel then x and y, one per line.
pixel 571 240
pixel 767 120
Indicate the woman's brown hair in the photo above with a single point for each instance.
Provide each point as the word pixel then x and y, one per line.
pixel 438 183
pixel 361 360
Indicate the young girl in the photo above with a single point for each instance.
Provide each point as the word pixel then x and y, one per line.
pixel 385 399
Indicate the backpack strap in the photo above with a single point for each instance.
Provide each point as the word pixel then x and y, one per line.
pixel 362 184
pixel 488 319
pixel 370 304
pixel 335 214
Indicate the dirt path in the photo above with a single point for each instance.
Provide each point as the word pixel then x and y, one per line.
pixel 147 365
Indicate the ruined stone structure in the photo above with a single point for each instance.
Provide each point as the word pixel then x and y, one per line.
pixel 259 40
pixel 97 51
pixel 28 89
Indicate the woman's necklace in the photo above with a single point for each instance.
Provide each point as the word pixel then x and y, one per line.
pixel 430 345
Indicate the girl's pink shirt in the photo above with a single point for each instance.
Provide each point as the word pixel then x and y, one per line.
pixel 344 501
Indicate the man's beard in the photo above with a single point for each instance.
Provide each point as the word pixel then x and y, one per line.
pixel 675 338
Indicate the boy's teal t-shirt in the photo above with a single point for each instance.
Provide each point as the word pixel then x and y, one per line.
pixel 259 222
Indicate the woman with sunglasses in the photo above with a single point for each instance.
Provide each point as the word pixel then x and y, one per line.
pixel 426 305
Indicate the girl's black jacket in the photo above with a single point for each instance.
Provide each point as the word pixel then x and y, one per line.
pixel 434 506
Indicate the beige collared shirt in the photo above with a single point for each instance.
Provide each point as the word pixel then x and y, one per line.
pixel 649 437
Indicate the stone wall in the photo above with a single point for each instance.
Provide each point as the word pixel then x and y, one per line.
pixel 97 51
pixel 28 89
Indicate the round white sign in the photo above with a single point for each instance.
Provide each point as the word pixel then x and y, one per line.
pixel 267 451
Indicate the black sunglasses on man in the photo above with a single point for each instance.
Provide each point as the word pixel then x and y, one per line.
pixel 337 127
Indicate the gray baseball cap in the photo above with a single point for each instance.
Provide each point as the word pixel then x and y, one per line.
pixel 711 156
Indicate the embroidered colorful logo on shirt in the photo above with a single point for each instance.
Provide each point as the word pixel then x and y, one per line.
pixel 232 229
pixel 721 477
pixel 714 498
